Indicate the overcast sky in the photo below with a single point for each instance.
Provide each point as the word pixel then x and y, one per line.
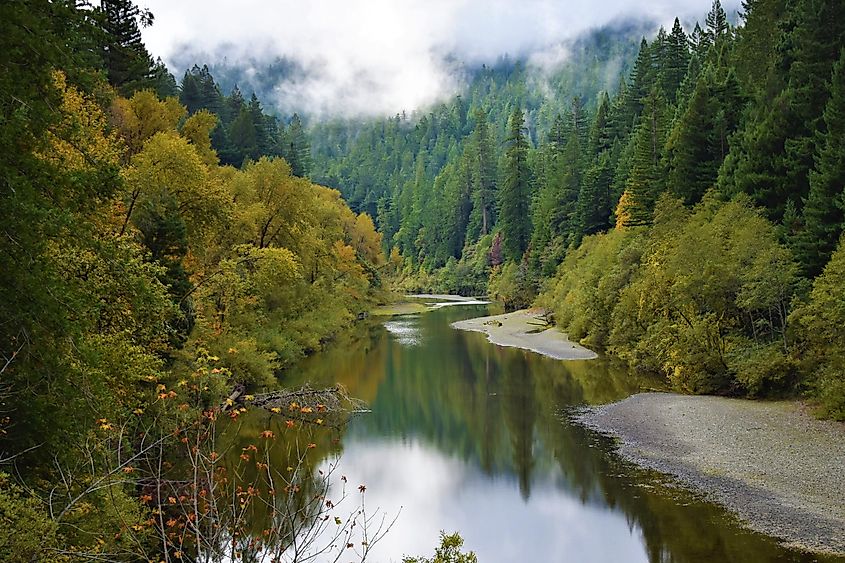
pixel 382 56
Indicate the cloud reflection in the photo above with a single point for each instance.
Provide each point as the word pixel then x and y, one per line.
pixel 439 492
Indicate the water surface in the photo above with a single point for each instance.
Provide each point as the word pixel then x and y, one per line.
pixel 467 436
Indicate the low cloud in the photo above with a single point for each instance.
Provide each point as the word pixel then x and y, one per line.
pixel 369 57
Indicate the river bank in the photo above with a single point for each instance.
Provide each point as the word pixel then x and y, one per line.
pixel 774 465
pixel 422 303
pixel 525 329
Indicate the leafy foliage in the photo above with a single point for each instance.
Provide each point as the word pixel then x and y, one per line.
pixel 130 255
pixel 449 551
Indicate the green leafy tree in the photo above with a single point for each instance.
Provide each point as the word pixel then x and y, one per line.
pixel 448 552
pixel 821 322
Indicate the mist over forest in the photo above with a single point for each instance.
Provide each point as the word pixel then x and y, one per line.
pixel 196 198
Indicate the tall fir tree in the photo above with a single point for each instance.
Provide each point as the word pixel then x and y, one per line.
pixel 296 148
pixel 699 41
pixel 716 24
pixel 594 199
pixel 645 181
pixel 676 61
pixel 127 63
pixel 482 168
pixel 699 140
pixel 515 191
pixel 600 136
pixel 774 152
pixel 163 81
pixel 824 208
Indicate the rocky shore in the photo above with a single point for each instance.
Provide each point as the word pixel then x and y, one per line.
pixel 779 469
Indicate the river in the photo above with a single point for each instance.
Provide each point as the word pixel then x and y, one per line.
pixel 470 437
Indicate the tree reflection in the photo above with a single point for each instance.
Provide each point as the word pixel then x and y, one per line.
pixel 504 412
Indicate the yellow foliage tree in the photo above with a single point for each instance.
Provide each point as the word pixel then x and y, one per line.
pixel 143 115
pixel 169 167
pixel 197 129
pixel 80 142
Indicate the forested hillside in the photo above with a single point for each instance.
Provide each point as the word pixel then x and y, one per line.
pixel 715 167
pixel 142 281
pixel 676 200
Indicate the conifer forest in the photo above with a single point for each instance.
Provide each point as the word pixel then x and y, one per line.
pixel 179 242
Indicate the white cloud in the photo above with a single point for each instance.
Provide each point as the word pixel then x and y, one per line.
pixel 382 56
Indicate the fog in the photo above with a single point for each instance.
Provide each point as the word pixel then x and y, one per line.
pixel 370 57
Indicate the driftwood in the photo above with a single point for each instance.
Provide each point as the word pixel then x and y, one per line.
pixel 545 317
pixel 331 406
pixel 237 392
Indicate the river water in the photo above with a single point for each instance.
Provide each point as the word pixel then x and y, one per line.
pixel 470 437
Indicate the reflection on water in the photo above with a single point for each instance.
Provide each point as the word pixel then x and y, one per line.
pixel 405 330
pixel 470 437
pixel 443 492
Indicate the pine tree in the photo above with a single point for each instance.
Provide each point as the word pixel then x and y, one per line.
pixel 774 152
pixel 824 208
pixel 716 23
pixel 643 78
pixel 600 131
pixel 199 91
pixel 233 105
pixel 128 65
pixel 164 83
pixel 594 199
pixel 757 48
pixel 692 166
pixel 698 142
pixel 676 61
pixel 645 181
pixel 699 41
pixel 482 168
pixel 259 124
pixel 296 148
pixel 514 193
pixel 688 84
pixel 243 138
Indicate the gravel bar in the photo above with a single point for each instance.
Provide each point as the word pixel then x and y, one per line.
pixel 779 469
pixel 525 329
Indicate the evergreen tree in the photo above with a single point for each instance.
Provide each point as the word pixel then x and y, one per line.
pixel 296 148
pixel 758 45
pixel 824 208
pixel 698 142
pixel 699 41
pixel 600 131
pixel 676 61
pixel 716 23
pixel 775 149
pixel 164 83
pixel 199 91
pixel 594 199
pixel 642 80
pixel 128 65
pixel 243 137
pixel 645 181
pixel 233 105
pixel 688 84
pixel 482 168
pixel 514 194
pixel 259 124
